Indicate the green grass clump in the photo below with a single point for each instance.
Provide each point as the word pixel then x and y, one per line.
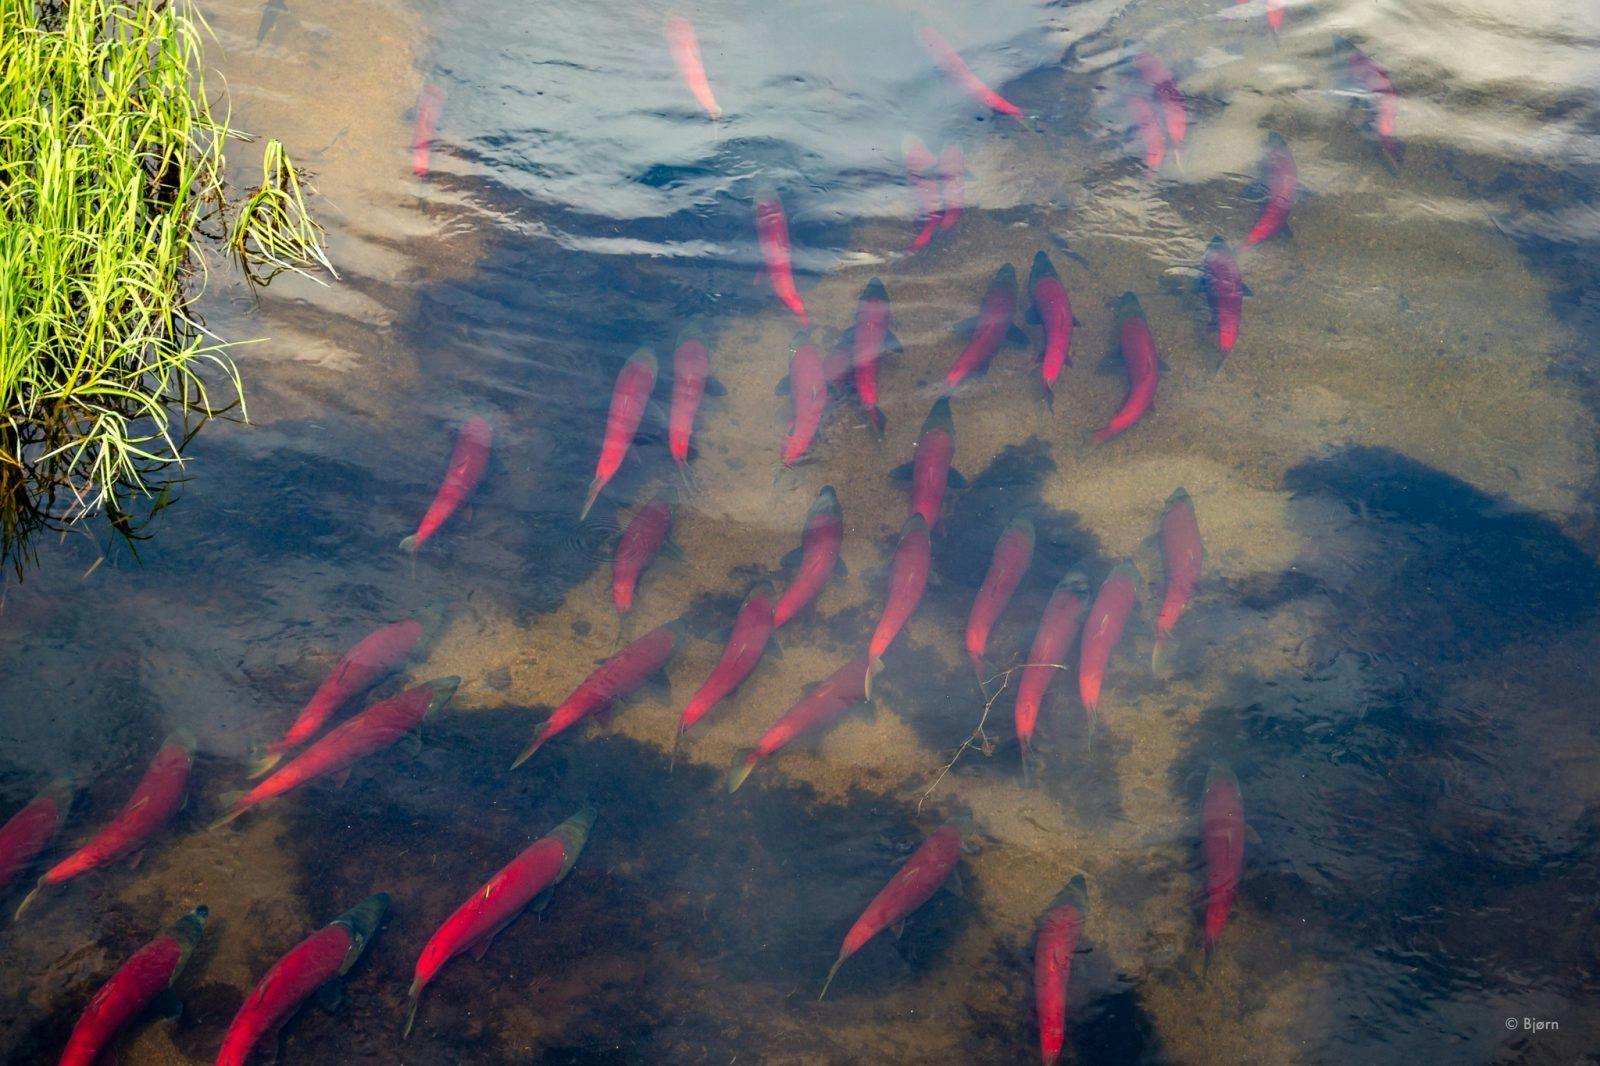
pixel 111 170
pixel 272 230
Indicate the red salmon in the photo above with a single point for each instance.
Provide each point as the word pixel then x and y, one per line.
pixel 375 656
pixel 629 397
pixel 817 557
pixel 1222 832
pixel 920 166
pixel 1057 628
pixel 1183 553
pixel 1225 290
pixel 1275 17
pixel 1051 308
pixel 772 233
pixel 157 797
pixel 430 105
pixel 1383 98
pixel 1144 120
pixel 371 731
pixel 1139 354
pixel 929 470
pixel 30 829
pixel 1164 89
pixel 467 463
pixel 148 973
pixel 951 63
pixel 314 965
pixel 747 643
pixel 1282 181
pixel 685 48
pixel 531 877
pixel 1013 554
pixel 807 385
pixel 909 889
pixel 952 185
pixel 690 380
pixel 1101 633
pixel 868 337
pixel 819 707
pixel 992 328
pixel 613 679
pixel 1059 931
pixel 645 536
pixel 908 580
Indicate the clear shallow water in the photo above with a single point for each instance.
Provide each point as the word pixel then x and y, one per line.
pixel 1394 474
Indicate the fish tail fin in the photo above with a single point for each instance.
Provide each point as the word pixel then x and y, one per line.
pixel 616 641
pixel 1100 436
pixel 1161 654
pixel 880 421
pixel 28 899
pixel 538 742
pixel 410 544
pixel 1205 960
pixel 743 762
pixel 1050 398
pixel 264 762
pixel 831 973
pixel 226 818
pixel 873 668
pixel 683 476
pixel 414 997
pixel 594 494
pixel 677 745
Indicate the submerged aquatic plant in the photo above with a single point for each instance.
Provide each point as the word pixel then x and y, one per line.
pixel 111 166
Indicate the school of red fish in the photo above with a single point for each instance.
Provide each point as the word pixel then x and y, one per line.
pixel 1077 614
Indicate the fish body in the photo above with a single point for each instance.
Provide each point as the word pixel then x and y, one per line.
pixel 1053 309
pixel 1057 628
pixel 908 580
pixel 1224 288
pixel 910 888
pixel 930 462
pixel 820 542
pixel 317 961
pixel 1149 127
pixel 629 397
pixel 952 185
pixel 1164 89
pixel 819 707
pixel 808 389
pixel 430 105
pixel 993 327
pixel 869 337
pixel 24 836
pixel 1013 554
pixel 613 679
pixel 691 364
pixel 955 67
pixel 1139 354
pixel 1053 947
pixel 1383 97
pixel 1103 631
pixel 148 973
pixel 920 170
pixel 1222 833
pixel 468 461
pixel 270 12
pixel 374 657
pixel 747 643
pixel 156 798
pixel 474 924
pixel 772 233
pixel 639 544
pixel 685 48
pixel 1183 554
pixel 1282 179
pixel 371 731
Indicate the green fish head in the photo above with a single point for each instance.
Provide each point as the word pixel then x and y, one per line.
pixel 1128 307
pixel 874 290
pixel 939 418
pixel 1005 278
pixel 183 738
pixel 1024 525
pixel 916 526
pixel 646 357
pixel 1179 498
pixel 827 501
pixel 1042 268
pixel 1124 569
pixel 60 792
pixel 1221 771
pixel 574 834
pixel 363 919
pixel 1075 582
pixel 444 688
pixel 1076 894
pixel 1276 143
pixel 187 932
